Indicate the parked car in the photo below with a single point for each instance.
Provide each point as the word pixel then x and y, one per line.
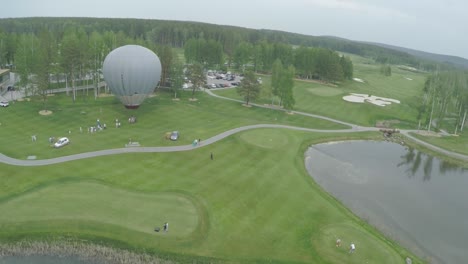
pixel 4 104
pixel 174 135
pixel 61 142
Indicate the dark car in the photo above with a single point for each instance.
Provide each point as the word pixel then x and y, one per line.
pixel 174 135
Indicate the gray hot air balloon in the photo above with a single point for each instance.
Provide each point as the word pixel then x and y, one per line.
pixel 132 72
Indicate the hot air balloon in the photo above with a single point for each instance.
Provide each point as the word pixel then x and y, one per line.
pixel 132 72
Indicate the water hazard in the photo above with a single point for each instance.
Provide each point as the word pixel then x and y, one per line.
pixel 412 197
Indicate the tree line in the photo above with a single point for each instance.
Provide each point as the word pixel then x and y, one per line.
pixel 48 51
pixel 178 33
pixel 309 62
pixel 445 101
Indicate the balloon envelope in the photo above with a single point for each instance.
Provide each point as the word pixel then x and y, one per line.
pixel 132 72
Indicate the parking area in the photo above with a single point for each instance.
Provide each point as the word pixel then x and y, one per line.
pixel 219 80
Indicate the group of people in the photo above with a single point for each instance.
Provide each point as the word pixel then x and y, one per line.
pixel 352 247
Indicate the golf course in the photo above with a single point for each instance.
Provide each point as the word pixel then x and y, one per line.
pixel 243 197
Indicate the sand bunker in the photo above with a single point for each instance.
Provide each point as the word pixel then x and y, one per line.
pixel 45 112
pixel 358 80
pixel 361 98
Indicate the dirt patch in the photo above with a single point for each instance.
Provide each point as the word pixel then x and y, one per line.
pixel 45 112
pixel 193 99
pixel 175 99
pixel 105 95
pixel 428 133
pixel 386 123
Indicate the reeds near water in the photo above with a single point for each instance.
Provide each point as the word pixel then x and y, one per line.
pixel 86 251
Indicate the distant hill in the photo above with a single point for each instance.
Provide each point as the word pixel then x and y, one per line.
pixel 446 59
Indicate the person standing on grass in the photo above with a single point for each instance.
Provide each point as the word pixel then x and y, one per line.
pixel 352 247
pixel 166 227
pixel 338 242
pixel 211 155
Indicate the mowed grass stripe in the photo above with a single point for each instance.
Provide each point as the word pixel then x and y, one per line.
pixel 95 202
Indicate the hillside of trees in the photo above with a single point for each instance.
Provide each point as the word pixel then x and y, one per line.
pixel 457 62
pixel 177 33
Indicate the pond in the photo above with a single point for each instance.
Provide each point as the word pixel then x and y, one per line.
pixel 414 198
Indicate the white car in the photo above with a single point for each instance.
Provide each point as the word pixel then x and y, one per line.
pixel 174 135
pixel 4 104
pixel 61 142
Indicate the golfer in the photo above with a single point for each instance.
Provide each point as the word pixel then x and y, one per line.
pixel 352 247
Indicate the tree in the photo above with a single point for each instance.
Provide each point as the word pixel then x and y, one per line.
pixel 47 55
pixel 75 54
pixel 386 70
pixel 197 76
pixel 26 59
pixel 249 88
pixel 287 85
pixel 242 55
pixel 165 54
pixel 176 75
pixel 98 50
pixel 276 71
pixel 347 66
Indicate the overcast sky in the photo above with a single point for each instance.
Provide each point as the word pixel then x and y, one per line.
pixel 438 26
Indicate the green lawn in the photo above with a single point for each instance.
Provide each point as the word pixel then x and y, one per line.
pixel 457 144
pixel 254 202
pixel 158 115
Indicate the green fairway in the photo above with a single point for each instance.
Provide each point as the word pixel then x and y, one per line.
pixel 84 201
pixel 326 99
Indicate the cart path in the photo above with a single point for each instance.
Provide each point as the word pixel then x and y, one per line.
pixel 353 128
pixel 206 142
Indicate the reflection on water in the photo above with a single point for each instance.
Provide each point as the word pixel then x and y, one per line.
pixel 412 197
pixel 412 160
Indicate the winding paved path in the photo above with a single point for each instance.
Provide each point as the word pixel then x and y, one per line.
pixel 353 128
